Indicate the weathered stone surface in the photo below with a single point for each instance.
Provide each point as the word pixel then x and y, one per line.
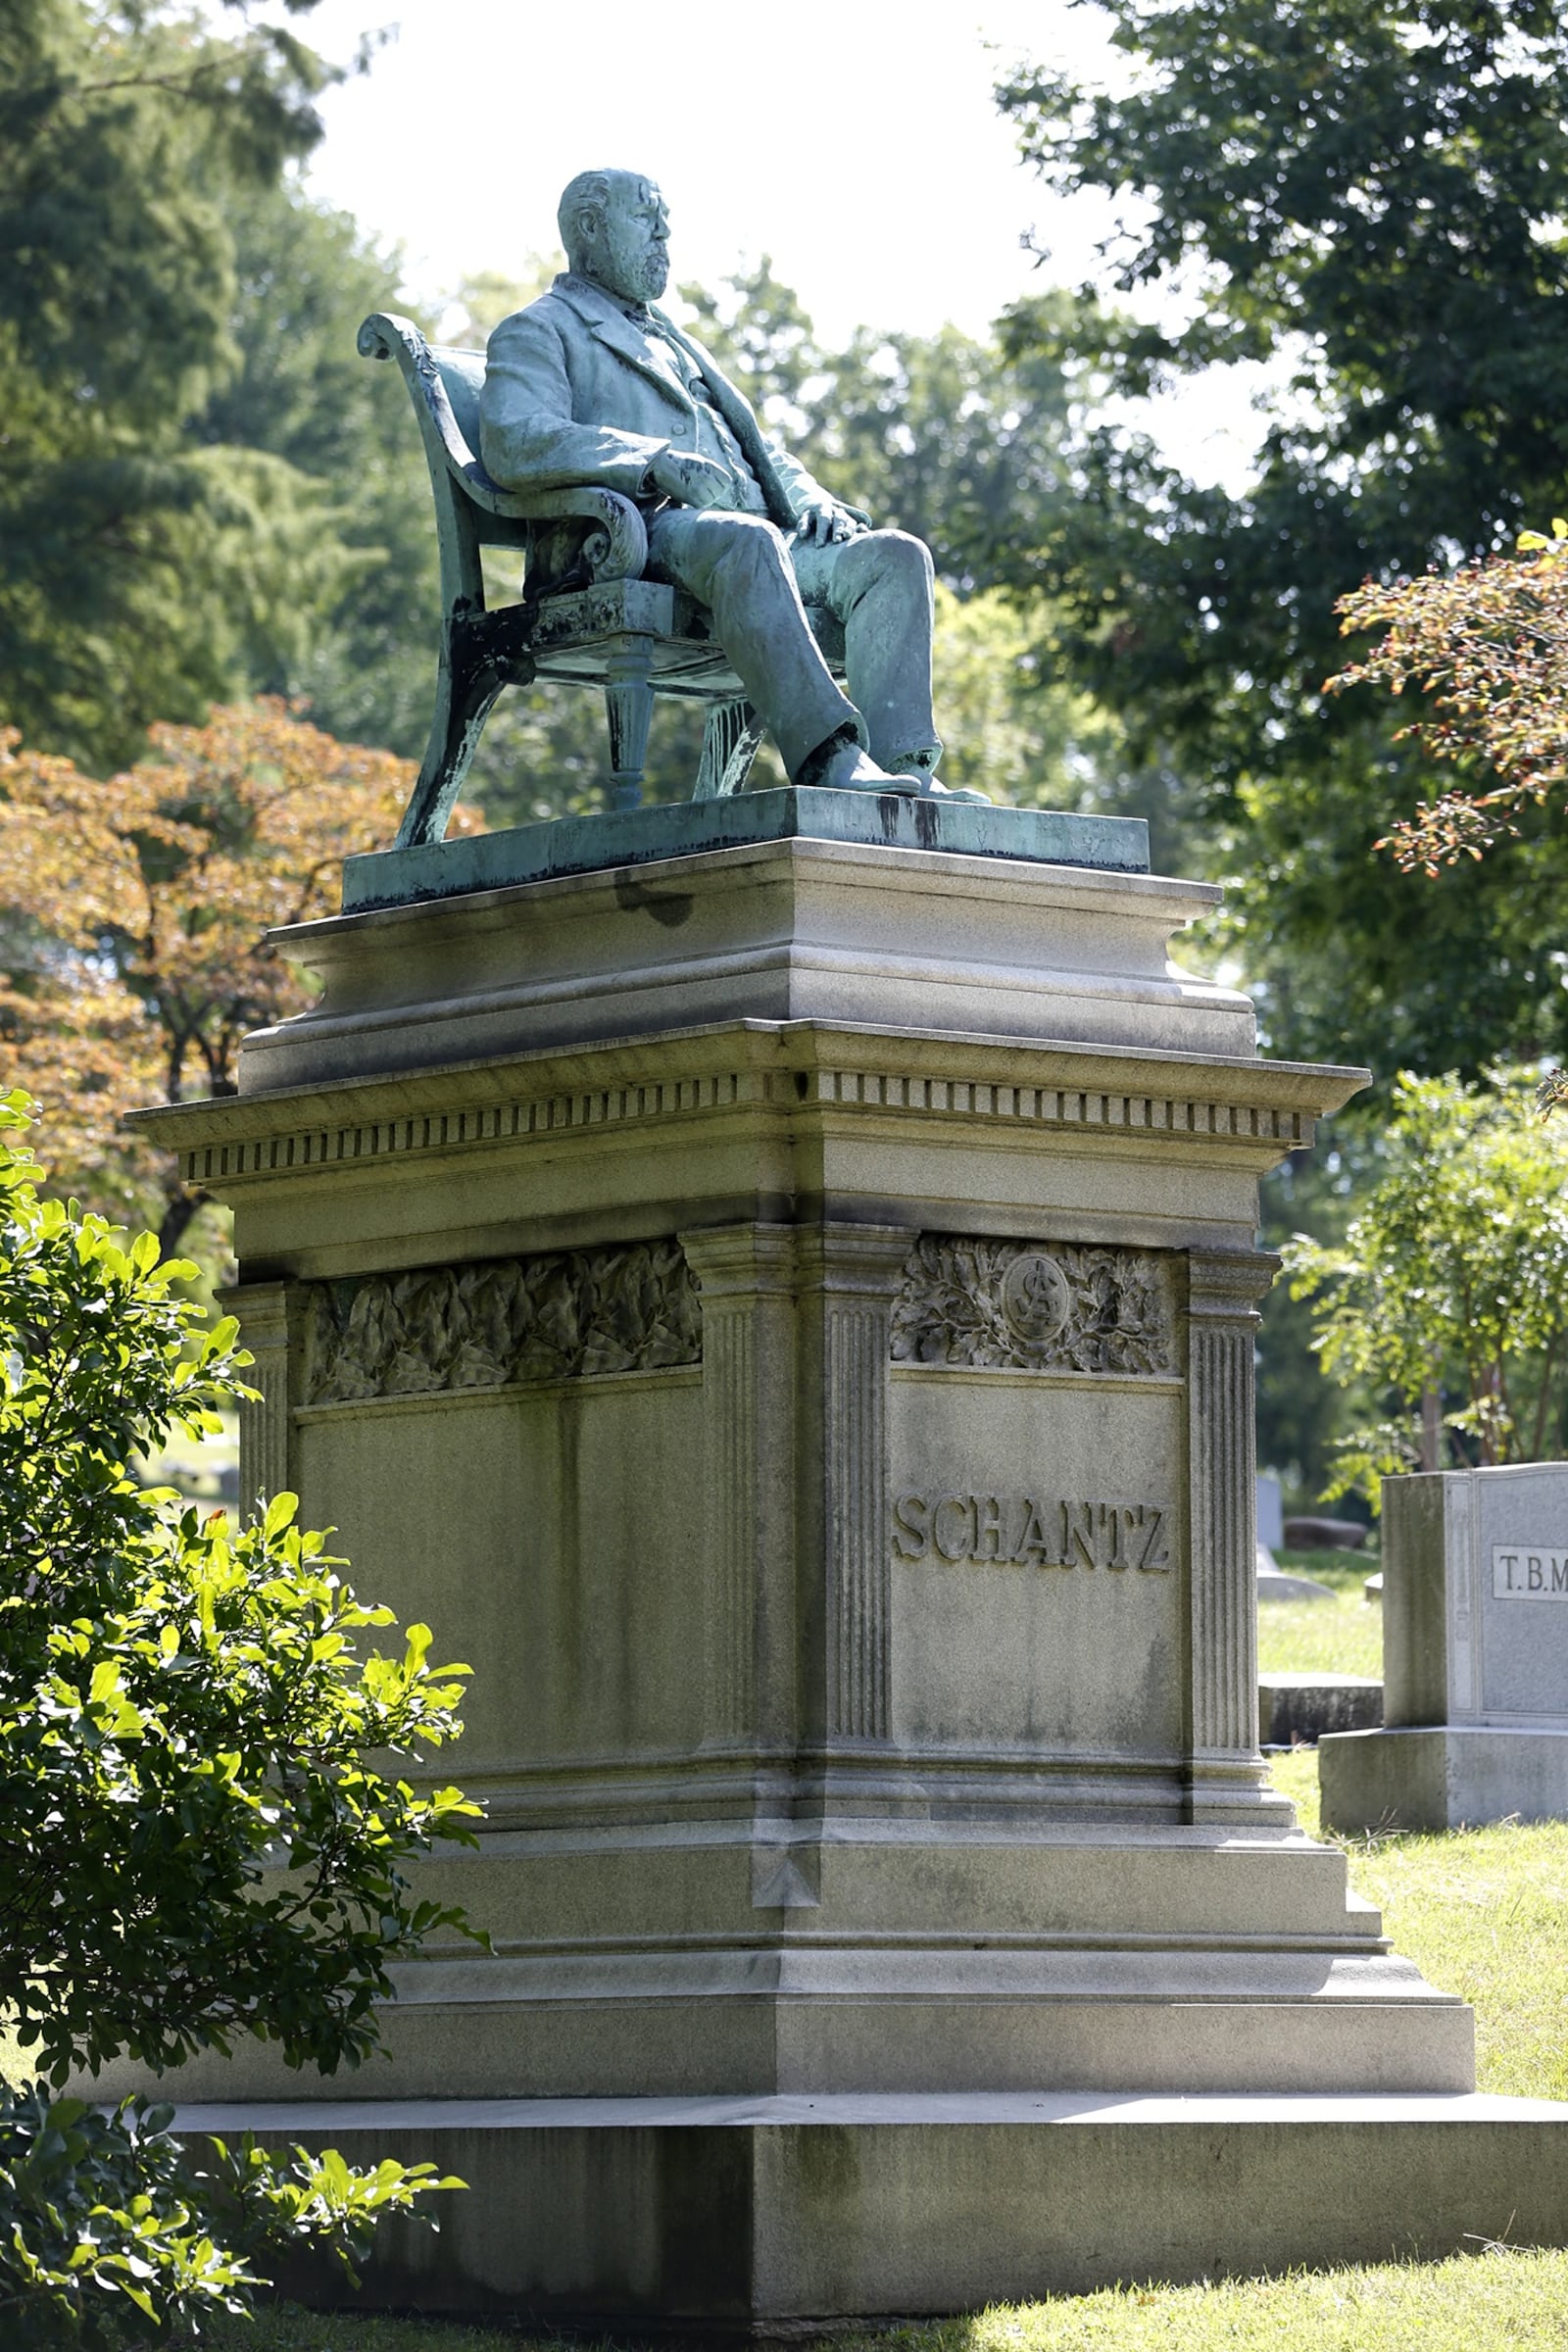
pixel 1038 1306
pixel 632 2216
pixel 787 930
pixel 1475 1647
pixel 563 1316
pixel 866 1702
pixel 1295 1707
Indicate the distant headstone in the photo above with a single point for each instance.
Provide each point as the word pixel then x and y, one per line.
pixel 1304 1707
pixel 1270 1512
pixel 1324 1535
pixel 1279 1583
pixel 1475 1632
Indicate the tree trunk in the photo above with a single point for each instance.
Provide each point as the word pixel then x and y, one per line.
pixel 1430 1429
pixel 179 1217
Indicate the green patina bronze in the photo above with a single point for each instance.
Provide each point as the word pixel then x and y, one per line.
pixel 668 544
pixel 585 845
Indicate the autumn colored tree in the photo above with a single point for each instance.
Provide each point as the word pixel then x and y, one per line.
pixel 1489 646
pixel 134 915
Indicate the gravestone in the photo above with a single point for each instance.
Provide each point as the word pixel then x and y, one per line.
pixel 1475 1644
pixel 786 1313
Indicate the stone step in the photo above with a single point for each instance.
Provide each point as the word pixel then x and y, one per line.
pixel 776 2215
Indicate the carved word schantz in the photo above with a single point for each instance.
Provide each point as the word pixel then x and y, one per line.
pixel 1025 1531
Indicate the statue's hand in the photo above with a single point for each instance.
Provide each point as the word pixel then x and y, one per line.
pixel 825 520
pixel 691 481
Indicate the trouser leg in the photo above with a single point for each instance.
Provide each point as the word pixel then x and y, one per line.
pixel 879 585
pixel 738 566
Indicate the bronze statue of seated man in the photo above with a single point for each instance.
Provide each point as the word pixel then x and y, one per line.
pixel 593 386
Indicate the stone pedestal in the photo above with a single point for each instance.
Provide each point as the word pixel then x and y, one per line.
pixel 1475 1637
pixel 786 1315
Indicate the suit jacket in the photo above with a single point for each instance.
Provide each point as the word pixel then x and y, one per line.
pixel 569 398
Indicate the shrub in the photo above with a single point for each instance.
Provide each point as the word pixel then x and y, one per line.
pixel 201 1835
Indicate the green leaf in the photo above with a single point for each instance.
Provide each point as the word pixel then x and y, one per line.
pixel 279 1513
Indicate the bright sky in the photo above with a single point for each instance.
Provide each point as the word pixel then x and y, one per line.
pixel 860 147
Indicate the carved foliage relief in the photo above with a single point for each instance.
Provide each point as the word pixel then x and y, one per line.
pixel 482 1326
pixel 1033 1305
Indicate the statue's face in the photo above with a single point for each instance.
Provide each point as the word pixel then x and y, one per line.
pixel 629 246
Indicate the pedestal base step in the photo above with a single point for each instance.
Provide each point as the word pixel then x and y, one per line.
pixel 757 2217
pixel 1442 1777
pixel 581 845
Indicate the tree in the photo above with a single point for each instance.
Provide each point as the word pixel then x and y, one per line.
pixel 136 561
pixel 134 914
pixel 360 650
pixel 1489 646
pixel 943 435
pixel 1371 197
pixel 1453 1276
pixel 202 1830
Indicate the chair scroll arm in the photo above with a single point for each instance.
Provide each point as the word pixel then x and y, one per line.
pixel 384 335
pixel 617 549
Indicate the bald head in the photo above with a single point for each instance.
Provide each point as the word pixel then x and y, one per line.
pixel 616 230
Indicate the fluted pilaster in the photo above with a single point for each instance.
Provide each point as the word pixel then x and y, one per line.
pixel 851 1276
pixel 746 1276
pixel 270 1324
pixel 1222 1546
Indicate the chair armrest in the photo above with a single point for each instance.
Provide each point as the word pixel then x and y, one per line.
pixel 616 550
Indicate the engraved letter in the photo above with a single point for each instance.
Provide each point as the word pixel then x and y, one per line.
pixel 1155 1553
pixel 1533 1580
pixel 1559 1571
pixel 908 1527
pixel 1033 1544
pixel 1508 1559
pixel 987 1511
pixel 1078 1533
pixel 965 1546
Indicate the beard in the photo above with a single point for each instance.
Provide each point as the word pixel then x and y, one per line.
pixel 653 277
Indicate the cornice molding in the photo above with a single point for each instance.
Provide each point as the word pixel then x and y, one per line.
pixel 787 1070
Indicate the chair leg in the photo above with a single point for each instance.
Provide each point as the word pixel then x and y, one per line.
pixel 731 741
pixel 630 709
pixel 481 655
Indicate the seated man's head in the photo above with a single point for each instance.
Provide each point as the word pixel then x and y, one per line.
pixel 616 230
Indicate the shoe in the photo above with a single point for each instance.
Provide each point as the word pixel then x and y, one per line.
pixel 948 792
pixel 850 769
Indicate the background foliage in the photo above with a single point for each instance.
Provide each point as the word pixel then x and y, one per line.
pixel 1451 1284
pixel 132 920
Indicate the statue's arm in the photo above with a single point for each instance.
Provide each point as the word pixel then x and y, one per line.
pixel 528 437
pixel 802 490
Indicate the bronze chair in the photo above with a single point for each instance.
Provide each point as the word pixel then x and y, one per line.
pixel 585 615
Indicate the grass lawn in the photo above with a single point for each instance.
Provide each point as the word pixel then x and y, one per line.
pixel 1476 2303
pixel 1482 1912
pixel 1342 1636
